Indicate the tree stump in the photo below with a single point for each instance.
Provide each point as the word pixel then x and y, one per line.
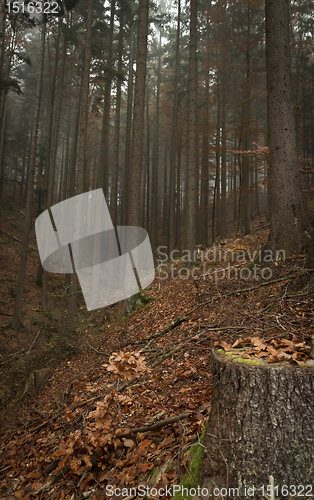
pixel 261 427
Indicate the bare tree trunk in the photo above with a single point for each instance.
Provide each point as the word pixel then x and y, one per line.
pixel 289 217
pixel 216 196
pixel 138 116
pixel 174 141
pixel 155 164
pixel 128 134
pixel 51 155
pixel 115 166
pixel 16 319
pixel 103 169
pixel 246 164
pixel 81 155
pixel 192 136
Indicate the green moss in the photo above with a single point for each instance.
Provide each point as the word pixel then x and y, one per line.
pixel 286 246
pixel 153 476
pixel 192 477
pixel 248 361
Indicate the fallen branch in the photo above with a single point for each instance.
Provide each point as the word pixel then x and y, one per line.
pixel 15 238
pixel 5 314
pixel 32 344
pixel 157 425
pixel 40 413
pixel 96 350
pixel 54 480
pixel 44 424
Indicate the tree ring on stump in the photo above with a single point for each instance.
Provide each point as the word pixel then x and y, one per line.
pixel 261 426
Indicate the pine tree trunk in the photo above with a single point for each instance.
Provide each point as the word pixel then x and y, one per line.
pixel 174 142
pixel 138 117
pixel 115 166
pixel 16 319
pixel 289 217
pixel 203 236
pixel 128 134
pixel 81 154
pixel 155 166
pixel 103 168
pixel 261 424
pixel 191 199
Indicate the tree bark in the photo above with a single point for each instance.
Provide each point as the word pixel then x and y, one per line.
pixel 261 424
pixel 82 143
pixel 289 218
pixel 155 163
pixel 138 117
pixel 115 167
pixel 16 319
pixel 128 133
pixel 191 199
pixel 103 168
pixel 174 143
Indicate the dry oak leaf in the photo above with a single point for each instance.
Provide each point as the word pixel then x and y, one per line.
pixel 272 359
pixel 261 354
pixel 283 356
pixel 224 345
pixel 166 442
pixel 128 443
pixel 257 342
pixel 146 467
pixel 241 342
pixel 144 444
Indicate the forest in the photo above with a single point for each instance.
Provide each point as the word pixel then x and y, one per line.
pixel 195 120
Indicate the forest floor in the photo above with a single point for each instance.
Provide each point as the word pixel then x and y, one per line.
pixel 102 420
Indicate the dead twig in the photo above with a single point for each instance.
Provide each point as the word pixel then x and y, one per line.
pixel 157 425
pixel 32 344
pixel 96 350
pixel 40 413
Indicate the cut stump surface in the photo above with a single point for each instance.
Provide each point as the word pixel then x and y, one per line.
pixel 261 424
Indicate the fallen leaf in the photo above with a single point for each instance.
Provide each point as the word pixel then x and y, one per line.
pixel 128 443
pixel 241 342
pixel 145 443
pixel 224 345
pixel 261 354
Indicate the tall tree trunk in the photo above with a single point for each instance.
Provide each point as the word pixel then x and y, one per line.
pixel 115 166
pixel 16 319
pixel 103 169
pixel 216 196
pixel 223 208
pixel 128 134
pixel 289 219
pixel 246 164
pixel 174 146
pixel 203 236
pixel 155 163
pixel 82 143
pixel 52 148
pixel 138 116
pixel 191 136
pixel 178 190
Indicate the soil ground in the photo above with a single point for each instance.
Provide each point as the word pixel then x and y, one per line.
pixel 84 431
